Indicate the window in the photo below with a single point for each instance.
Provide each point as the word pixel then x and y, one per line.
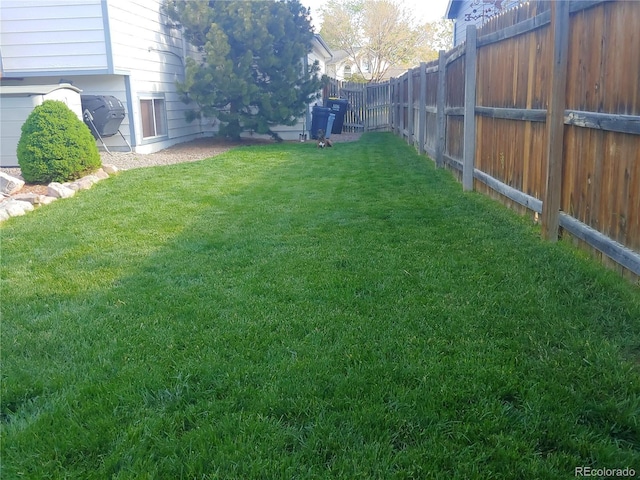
pixel 153 114
pixel 347 71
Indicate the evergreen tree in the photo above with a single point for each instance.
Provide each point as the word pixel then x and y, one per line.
pixel 252 74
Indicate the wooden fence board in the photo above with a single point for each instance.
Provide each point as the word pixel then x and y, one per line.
pixel 601 185
pixel 454 144
pixel 604 64
pixel 454 78
pixel 535 162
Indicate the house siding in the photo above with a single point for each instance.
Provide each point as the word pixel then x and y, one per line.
pixel 14 113
pixel 39 37
pixel 475 12
pixel 152 53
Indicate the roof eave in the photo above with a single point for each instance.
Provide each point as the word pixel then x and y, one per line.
pixel 452 9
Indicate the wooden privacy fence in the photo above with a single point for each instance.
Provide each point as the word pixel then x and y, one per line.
pixel 541 108
pixel 368 104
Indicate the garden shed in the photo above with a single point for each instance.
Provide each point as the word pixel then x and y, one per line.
pixel 17 102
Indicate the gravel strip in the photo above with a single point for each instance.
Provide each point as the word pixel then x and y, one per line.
pixel 192 151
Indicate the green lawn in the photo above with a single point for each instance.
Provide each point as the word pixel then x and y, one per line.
pixel 284 312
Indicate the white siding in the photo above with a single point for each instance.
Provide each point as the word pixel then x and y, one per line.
pixel 15 111
pixel 145 45
pixel 43 36
pixel 113 85
pixel 321 55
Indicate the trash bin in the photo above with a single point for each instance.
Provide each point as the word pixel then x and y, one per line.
pixel 330 120
pixel 338 106
pixel 319 118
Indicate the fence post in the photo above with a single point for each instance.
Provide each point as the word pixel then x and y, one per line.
pixel 392 113
pixel 396 106
pixel 402 106
pixel 390 103
pixel 410 116
pixel 469 109
pixel 555 120
pixel 422 118
pixel 440 116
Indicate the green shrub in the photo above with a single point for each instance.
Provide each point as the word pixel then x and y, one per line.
pixel 55 145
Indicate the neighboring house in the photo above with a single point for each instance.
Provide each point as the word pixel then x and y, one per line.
pixel 321 52
pixel 474 12
pixel 125 48
pixel 343 66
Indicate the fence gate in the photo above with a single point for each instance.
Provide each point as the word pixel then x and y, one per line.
pixel 368 104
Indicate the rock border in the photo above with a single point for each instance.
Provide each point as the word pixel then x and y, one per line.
pixel 15 204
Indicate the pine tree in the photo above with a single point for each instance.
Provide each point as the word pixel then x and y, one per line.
pixel 253 72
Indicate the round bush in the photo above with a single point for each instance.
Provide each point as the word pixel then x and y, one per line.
pixel 55 145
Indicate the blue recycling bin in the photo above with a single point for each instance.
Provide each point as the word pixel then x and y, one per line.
pixel 330 121
pixel 319 119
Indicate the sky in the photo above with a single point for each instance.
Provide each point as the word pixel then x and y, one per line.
pixel 425 10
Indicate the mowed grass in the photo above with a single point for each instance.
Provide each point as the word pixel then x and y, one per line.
pixel 284 312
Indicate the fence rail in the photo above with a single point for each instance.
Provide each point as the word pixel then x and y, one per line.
pixel 541 108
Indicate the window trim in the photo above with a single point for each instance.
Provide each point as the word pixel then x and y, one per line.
pixel 163 117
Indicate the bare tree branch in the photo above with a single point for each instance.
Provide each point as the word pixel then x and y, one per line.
pixel 380 34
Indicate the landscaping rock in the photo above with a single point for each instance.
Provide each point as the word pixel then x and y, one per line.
pixel 101 174
pixel 14 204
pixel 9 184
pixel 55 189
pixel 84 183
pixel 32 198
pixel 16 208
pixel 46 200
pixel 110 169
pixel 93 178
